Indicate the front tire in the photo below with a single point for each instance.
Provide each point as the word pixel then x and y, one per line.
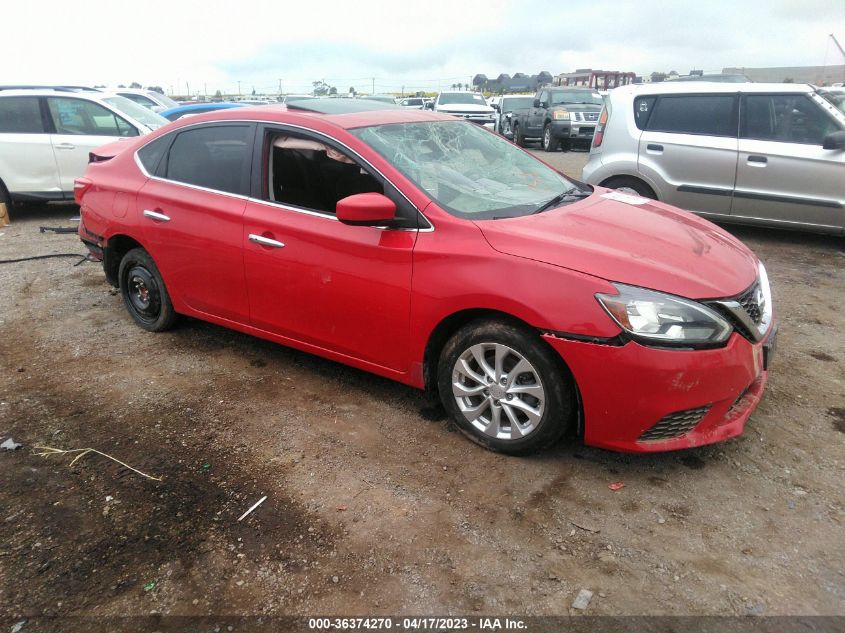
pixel 550 143
pixel 504 388
pixel 144 293
pixel 518 138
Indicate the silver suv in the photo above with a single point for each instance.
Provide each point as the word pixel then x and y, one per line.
pixel 769 154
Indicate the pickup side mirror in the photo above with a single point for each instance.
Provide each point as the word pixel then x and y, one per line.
pixel 366 209
pixel 536 103
pixel 834 140
pixel 429 105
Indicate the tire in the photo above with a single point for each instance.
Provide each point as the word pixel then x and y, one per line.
pixel 144 293
pixel 517 413
pixel 5 198
pixel 518 138
pixel 628 184
pixel 550 143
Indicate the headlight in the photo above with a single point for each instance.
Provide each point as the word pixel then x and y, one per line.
pixel 765 301
pixel 560 115
pixel 659 318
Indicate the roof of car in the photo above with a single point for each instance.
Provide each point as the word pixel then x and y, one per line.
pixel 359 113
pixel 49 90
pixel 668 87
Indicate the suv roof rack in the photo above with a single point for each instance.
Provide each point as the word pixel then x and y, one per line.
pixel 56 88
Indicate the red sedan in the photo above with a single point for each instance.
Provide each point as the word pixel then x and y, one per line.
pixel 430 251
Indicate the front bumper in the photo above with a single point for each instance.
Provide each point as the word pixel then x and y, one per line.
pixel 573 130
pixel 629 389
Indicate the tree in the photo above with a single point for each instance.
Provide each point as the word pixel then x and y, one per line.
pixel 157 89
pixel 218 96
pixel 321 88
pixel 136 85
pixel 789 80
pixel 460 86
pixel 352 90
pixel 332 90
pixel 454 86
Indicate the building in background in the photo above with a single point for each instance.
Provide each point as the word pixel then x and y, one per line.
pixel 504 83
pixel 818 75
pixel 596 79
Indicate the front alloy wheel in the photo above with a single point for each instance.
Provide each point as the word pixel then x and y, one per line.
pixel 505 388
pixel 498 391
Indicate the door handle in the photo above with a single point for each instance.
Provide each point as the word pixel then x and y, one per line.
pixel 654 147
pixel 65 146
pixel 757 161
pixel 265 241
pixel 155 215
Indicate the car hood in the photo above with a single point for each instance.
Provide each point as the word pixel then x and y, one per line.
pixel 651 245
pixel 577 107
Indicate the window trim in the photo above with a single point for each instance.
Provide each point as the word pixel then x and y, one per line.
pixel 734 112
pixel 806 96
pixel 425 225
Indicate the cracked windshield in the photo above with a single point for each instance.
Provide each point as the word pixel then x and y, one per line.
pixel 467 171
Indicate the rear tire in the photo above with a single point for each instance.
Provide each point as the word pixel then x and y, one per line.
pixel 550 143
pixel 518 138
pixel 505 388
pixel 144 293
pixel 628 184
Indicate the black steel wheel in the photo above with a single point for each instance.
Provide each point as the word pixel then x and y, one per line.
pixel 144 293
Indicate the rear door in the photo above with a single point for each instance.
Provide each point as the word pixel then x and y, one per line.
pixel 191 212
pixel 784 175
pixel 689 148
pixel 79 126
pixel 27 162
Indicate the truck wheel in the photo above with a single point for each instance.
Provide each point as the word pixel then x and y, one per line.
pixel 518 138
pixel 550 143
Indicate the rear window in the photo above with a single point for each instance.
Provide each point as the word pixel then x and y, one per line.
pixel 213 157
pixel 710 115
pixel 643 107
pixel 151 154
pixel 20 115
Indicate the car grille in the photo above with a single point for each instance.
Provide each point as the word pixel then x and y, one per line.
pixel 749 303
pixel 674 424
pixel 591 116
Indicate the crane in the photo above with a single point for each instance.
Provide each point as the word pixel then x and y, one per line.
pixel 838 45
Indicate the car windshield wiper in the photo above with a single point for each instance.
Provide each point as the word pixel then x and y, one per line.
pixel 573 192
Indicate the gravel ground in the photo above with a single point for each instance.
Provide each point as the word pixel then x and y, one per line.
pixel 373 507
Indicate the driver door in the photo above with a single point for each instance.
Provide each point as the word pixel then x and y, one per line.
pixel 80 126
pixel 310 278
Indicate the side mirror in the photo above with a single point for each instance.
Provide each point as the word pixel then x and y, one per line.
pixel 834 140
pixel 429 105
pixel 536 103
pixel 366 209
pixel 496 107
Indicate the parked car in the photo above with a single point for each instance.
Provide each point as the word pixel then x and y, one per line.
pixel 47 133
pixel 379 98
pixel 768 154
pixel 428 251
pixel 558 116
pixel 415 103
pixel 466 105
pixel 197 108
pixel 150 99
pixel 504 107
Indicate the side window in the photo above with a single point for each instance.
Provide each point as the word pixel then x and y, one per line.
pixel 151 154
pixel 20 115
pixel 78 116
pixel 307 173
pixel 711 115
pixel 643 107
pixel 213 157
pixel 785 118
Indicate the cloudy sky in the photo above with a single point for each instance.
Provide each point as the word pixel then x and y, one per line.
pixel 419 44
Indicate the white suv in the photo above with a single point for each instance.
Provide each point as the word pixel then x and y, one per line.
pixel 767 154
pixel 47 133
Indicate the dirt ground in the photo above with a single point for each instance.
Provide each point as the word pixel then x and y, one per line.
pixel 374 505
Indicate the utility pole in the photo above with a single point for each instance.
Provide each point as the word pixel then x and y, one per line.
pixel 374 86
pixel 204 89
pixel 280 85
pixel 188 88
pixel 239 88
